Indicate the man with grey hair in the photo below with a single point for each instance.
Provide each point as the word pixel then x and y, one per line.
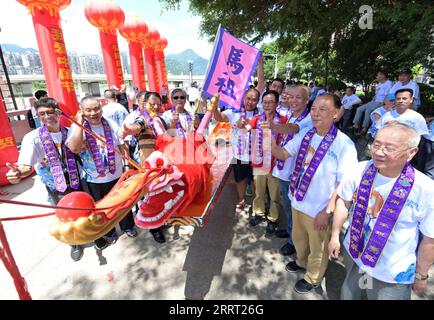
pixel 179 120
pixel 102 167
pixel 391 204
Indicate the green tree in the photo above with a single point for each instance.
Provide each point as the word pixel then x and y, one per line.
pixel 328 30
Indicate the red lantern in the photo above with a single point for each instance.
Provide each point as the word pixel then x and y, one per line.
pixel 162 43
pixel 52 6
pixel 153 36
pixel 107 16
pixel 135 31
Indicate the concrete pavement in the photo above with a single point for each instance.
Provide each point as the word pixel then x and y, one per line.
pixel 226 259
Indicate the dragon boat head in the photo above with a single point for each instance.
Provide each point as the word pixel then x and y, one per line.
pixel 80 220
pixel 166 193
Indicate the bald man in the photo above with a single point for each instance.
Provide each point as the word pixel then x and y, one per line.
pixel 390 204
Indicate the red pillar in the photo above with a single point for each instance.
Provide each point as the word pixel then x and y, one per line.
pixel 112 59
pixel 52 50
pixel 137 65
pixel 8 145
pixel 159 59
pixel 159 47
pixel 151 69
pixel 107 16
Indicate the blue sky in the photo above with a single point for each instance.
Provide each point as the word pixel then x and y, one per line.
pixel 180 27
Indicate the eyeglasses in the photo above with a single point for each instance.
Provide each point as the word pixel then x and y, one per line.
pixel 387 150
pixel 178 97
pixel 46 113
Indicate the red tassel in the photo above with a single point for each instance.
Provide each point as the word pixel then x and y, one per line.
pixel 9 262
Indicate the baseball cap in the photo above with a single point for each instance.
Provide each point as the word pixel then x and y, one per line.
pixel 390 96
pixel 406 71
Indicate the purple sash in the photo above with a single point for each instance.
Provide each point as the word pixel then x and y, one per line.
pixel 241 137
pixel 387 217
pixel 93 147
pixel 53 158
pixel 320 153
pixel 285 140
pixel 259 154
pixel 179 128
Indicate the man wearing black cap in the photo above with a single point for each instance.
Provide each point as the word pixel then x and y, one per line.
pixel 404 82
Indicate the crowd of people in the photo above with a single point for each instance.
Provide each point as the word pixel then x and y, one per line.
pixel 306 183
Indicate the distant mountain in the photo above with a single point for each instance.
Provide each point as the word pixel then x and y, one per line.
pixel 10 47
pixel 175 63
pixel 178 63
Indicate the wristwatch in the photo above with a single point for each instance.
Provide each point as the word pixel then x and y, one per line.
pixel 329 212
pixel 420 276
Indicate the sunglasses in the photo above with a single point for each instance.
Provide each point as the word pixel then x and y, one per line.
pixel 179 97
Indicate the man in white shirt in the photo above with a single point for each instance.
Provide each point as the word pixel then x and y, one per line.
pixel 402 113
pixel 34 149
pixel 404 81
pixel 390 204
pixel 321 156
pixel 179 120
pixel 348 101
pixel 297 97
pixel 102 167
pixel 113 110
pixel 381 91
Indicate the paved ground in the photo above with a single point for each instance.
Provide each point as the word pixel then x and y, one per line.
pixel 223 260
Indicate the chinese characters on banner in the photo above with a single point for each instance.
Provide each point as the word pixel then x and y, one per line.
pixel 118 64
pixel 65 75
pixel 230 69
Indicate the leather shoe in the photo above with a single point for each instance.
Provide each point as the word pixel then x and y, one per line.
pixel 158 235
pixel 271 228
pixel 287 249
pixel 255 220
pixel 302 286
pixel 292 266
pixel 282 233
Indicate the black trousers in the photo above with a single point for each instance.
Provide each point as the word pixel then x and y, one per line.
pixel 346 121
pixel 425 157
pixel 98 191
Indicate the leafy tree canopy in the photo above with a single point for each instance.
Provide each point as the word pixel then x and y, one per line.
pixel 402 33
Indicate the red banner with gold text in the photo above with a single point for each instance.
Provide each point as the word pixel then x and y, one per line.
pixel 8 145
